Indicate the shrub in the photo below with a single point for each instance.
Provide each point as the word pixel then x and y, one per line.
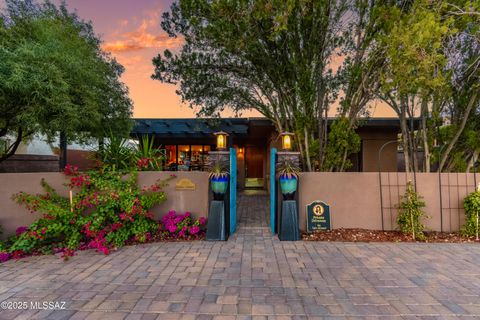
pixel 410 213
pixel 182 226
pixel 147 157
pixel 472 211
pixel 107 210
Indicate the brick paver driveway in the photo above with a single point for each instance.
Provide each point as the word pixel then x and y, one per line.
pixel 253 275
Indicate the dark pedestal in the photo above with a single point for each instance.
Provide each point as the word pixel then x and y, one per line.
pixel 216 222
pixel 289 229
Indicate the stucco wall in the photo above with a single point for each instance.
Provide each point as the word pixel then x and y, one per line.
pixel 372 141
pixel 13 215
pixel 354 198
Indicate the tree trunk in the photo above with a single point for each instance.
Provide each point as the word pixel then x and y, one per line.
pixel 405 139
pixel 307 149
pixel 426 147
pixel 452 143
pixel 13 148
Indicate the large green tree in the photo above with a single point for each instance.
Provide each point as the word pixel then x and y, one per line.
pixel 55 78
pixel 273 56
pixel 432 56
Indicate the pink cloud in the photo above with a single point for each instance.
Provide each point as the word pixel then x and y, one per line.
pixel 146 36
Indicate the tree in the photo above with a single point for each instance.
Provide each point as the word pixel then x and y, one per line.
pixel 432 72
pixel 54 77
pixel 273 56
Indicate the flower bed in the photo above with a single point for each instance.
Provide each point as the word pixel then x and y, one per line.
pixel 364 235
pixel 106 210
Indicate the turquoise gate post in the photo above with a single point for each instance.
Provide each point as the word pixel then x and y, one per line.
pixel 273 189
pixel 233 190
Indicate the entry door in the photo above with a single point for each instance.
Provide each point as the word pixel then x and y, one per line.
pixel 253 167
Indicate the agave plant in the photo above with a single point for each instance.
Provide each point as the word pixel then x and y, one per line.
pixel 288 168
pixel 218 169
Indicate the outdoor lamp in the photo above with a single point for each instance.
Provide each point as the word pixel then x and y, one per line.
pixel 286 141
pixel 221 140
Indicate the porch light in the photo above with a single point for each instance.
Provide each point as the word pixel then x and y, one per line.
pixel 221 140
pixel 287 138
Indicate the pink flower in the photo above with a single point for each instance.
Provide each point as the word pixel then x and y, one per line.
pixel 70 170
pixel 202 220
pixel 194 230
pixel 172 228
pixel 21 230
pixel 178 219
pixel 4 256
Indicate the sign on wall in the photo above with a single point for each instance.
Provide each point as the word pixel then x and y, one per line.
pixel 318 216
pixel 185 184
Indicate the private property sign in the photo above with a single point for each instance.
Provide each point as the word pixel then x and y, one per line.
pixel 318 216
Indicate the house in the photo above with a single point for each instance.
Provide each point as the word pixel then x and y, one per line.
pixel 188 141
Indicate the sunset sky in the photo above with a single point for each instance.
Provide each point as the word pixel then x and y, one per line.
pixel 131 31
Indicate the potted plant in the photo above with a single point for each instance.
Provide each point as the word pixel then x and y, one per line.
pixel 288 172
pixel 219 179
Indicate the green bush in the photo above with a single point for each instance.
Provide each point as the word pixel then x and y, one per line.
pixel 411 213
pixel 107 210
pixel 472 211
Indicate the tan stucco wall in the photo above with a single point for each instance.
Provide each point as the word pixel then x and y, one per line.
pixel 354 198
pixel 13 215
pixel 371 144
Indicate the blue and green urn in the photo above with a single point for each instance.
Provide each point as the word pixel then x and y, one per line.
pixel 219 185
pixel 288 185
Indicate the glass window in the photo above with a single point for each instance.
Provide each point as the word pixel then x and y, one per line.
pixel 196 158
pixel 171 156
pixel 183 159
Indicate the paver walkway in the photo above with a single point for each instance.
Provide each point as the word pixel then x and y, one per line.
pixel 252 276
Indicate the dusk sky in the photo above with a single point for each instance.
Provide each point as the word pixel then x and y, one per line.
pixel 131 31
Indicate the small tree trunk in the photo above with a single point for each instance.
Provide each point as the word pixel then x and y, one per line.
pixel 471 103
pixel 13 148
pixel 426 148
pixel 307 149
pixel 406 152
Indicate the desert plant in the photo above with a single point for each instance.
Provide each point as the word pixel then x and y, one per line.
pixel 218 169
pixel 148 157
pixel 411 212
pixel 472 211
pixel 288 168
pixel 116 153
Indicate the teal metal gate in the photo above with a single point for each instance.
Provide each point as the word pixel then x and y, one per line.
pixel 273 190
pixel 233 190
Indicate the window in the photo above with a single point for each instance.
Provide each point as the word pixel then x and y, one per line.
pixel 171 157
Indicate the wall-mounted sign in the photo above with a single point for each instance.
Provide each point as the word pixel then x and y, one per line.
pixel 185 184
pixel 318 216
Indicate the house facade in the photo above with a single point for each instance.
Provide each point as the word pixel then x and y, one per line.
pixel 187 142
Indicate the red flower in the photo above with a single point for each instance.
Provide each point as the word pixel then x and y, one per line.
pixel 70 170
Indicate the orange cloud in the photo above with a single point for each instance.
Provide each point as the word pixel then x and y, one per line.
pixel 147 35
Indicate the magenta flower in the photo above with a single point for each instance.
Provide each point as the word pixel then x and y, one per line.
pixel 172 228
pixel 4 256
pixel 202 220
pixel 21 230
pixel 194 230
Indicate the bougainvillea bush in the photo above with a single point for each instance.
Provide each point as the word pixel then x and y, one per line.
pixel 182 226
pixel 107 211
